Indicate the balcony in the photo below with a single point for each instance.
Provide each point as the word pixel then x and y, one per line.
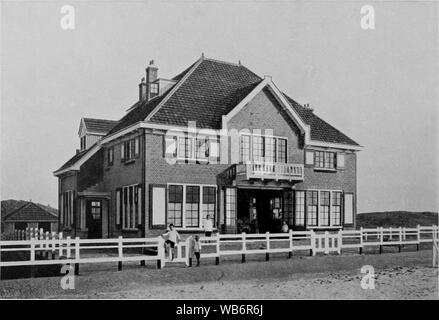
pixel 273 171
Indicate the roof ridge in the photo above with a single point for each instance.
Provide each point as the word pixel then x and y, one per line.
pixel 19 208
pixel 174 88
pixel 87 118
pixel 224 62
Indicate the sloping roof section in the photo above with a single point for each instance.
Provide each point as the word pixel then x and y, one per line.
pixel 31 212
pixel 320 129
pixel 99 125
pixel 78 156
pixel 210 91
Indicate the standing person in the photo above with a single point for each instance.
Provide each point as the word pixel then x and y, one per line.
pixel 208 226
pixel 285 227
pixel 196 249
pixel 172 239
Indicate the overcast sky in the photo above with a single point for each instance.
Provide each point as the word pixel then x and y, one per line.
pixel 379 86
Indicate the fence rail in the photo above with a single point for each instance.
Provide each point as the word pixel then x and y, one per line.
pixel 54 249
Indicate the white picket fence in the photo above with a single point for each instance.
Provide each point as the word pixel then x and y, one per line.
pixel 31 233
pixel 59 250
pixel 435 249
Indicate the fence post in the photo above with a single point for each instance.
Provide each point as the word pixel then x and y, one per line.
pixel 120 251
pixel 267 254
pixel 160 252
pixel 77 256
pixel 68 249
pixel 381 239
pixel 244 247
pixel 339 241
pixel 60 244
pixel 47 245
pixel 312 251
pixel 419 237
pixel 326 242
pixel 290 239
pixel 32 249
pixel 361 240
pixel 188 251
pixel 400 240
pixel 217 258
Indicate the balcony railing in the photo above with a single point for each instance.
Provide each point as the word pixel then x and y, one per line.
pixel 275 171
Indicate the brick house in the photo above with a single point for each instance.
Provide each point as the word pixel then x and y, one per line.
pixel 216 139
pixel 29 215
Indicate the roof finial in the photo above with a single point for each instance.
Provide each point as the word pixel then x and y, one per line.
pixel 239 62
pixel 202 55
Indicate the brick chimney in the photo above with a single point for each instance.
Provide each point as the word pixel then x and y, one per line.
pixel 142 89
pixel 152 87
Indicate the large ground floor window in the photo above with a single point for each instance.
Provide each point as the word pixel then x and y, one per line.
pixel 188 205
pixel 318 208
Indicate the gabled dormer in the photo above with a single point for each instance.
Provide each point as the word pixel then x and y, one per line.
pixel 92 130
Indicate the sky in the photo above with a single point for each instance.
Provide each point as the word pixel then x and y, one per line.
pixel 380 86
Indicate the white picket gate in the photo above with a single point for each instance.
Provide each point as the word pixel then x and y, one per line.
pixel 326 242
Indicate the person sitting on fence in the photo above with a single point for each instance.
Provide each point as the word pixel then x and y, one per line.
pixel 285 227
pixel 172 239
pixel 208 226
pixel 196 248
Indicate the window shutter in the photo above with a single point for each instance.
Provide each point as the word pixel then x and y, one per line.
pixel 348 208
pixel 170 147
pixel 158 205
pixel 309 157
pixel 122 151
pixel 214 149
pixel 340 160
pixel 61 207
pixel 72 203
pixel 118 206
pixel 139 204
pixel 136 147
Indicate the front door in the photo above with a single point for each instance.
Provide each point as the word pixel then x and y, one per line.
pixel 94 218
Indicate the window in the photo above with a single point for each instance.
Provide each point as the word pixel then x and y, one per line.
pixel 348 208
pixel 300 208
pixel 67 201
pixel 324 160
pixel 312 203
pixel 202 148
pixel 288 215
pixel 270 150
pixel 154 88
pixel 276 208
pixel 185 148
pixel 258 148
pixel 282 150
pixel 188 211
pixel 131 206
pixel 192 206
pixel 175 205
pixel 209 203
pixel 96 210
pixel 244 148
pixel 324 208
pixel 230 206
pixel 110 156
pixel 130 150
pixel 336 209
pixel 83 142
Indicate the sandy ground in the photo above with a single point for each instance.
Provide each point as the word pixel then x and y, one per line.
pixel 406 275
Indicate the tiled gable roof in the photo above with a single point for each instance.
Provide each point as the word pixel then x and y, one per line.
pixel 30 212
pixel 320 129
pixel 210 91
pixel 75 158
pixel 99 125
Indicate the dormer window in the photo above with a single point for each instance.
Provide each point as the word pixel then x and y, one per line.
pixel 154 88
pixel 83 143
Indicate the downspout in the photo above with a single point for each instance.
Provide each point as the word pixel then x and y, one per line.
pixel 143 158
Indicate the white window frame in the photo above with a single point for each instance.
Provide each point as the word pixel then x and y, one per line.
pixel 200 211
pixel 264 136
pixel 331 225
pixel 135 216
